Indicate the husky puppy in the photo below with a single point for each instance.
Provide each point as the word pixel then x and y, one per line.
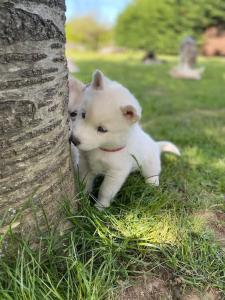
pixel 104 121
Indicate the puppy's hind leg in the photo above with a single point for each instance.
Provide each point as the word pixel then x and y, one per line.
pixel 151 170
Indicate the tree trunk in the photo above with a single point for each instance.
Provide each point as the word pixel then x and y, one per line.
pixel 34 149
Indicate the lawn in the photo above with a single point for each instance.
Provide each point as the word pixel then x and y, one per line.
pixel 165 242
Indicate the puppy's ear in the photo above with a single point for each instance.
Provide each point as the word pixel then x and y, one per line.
pixel 76 88
pixel 130 113
pixel 97 80
pixel 75 85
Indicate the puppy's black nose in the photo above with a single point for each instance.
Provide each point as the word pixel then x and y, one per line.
pixel 74 140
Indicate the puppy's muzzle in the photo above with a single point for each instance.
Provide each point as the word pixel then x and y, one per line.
pixel 74 140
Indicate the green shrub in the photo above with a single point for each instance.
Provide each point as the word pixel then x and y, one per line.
pixel 88 32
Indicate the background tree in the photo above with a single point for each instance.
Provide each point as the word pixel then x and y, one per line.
pixel 34 156
pixel 161 25
pixel 88 32
pixel 144 25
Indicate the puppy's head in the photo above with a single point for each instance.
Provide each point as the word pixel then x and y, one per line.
pixel 106 114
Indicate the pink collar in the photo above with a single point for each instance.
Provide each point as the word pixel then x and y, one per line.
pixel 112 150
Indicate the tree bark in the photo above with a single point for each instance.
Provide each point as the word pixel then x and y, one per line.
pixel 34 150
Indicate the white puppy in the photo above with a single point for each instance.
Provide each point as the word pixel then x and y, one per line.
pixel 104 127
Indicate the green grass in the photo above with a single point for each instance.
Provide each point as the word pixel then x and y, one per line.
pixel 146 230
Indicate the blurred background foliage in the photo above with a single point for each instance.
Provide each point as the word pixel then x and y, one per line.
pixel 160 25
pixel 87 31
pixel 156 26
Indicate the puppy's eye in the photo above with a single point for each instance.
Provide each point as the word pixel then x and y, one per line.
pixel 73 114
pixel 83 115
pixel 101 129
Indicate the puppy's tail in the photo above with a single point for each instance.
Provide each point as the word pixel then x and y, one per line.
pixel 165 146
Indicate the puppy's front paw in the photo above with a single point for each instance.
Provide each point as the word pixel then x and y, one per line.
pixel 154 180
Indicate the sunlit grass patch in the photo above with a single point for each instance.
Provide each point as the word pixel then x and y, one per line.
pixel 182 243
pixel 147 228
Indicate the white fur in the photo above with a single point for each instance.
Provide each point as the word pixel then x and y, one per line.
pixel 110 105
